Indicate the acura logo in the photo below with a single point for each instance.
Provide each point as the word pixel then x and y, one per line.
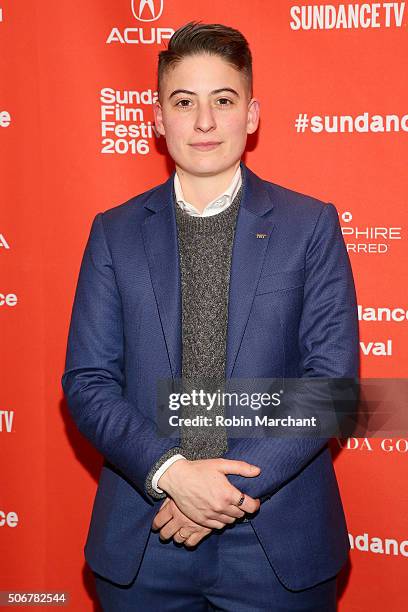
pixel 147 10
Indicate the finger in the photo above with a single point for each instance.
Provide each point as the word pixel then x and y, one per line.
pixel 160 520
pixel 212 524
pixel 162 517
pixel 231 510
pixel 174 526
pixel 223 518
pixel 166 501
pixel 235 511
pixel 195 538
pixel 230 466
pixel 227 510
pixel 248 505
pixel 180 538
pixel 169 530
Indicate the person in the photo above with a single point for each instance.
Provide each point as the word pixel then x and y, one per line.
pixel 212 275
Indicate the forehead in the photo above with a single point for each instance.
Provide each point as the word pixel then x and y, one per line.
pixel 202 73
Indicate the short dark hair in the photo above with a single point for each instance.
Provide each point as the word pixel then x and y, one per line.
pixel 195 38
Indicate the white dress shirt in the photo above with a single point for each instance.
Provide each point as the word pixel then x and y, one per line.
pixel 214 207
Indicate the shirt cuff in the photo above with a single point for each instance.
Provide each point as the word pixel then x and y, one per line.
pixel 162 469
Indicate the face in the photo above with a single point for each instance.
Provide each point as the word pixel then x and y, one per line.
pixel 205 114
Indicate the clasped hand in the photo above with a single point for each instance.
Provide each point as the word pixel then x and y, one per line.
pixel 170 520
pixel 201 498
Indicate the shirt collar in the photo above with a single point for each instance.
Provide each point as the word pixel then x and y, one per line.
pixel 214 207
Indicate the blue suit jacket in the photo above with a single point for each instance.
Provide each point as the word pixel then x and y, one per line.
pixel 292 313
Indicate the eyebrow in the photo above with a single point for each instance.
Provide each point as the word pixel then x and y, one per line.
pixel 193 93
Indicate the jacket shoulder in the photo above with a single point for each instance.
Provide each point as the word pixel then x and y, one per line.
pixel 122 223
pixel 294 207
pixel 130 208
pixel 295 199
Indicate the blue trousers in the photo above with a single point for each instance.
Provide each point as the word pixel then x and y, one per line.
pixel 228 570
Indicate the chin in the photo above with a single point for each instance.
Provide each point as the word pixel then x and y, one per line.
pixel 205 166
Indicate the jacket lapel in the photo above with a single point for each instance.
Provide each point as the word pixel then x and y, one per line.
pixel 252 233
pixel 160 240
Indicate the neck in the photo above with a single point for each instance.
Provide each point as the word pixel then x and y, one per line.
pixel 200 190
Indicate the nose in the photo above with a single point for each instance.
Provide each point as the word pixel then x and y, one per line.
pixel 205 120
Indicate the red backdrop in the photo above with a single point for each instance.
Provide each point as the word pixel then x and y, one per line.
pixel 76 84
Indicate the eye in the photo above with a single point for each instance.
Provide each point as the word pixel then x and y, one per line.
pixel 183 100
pixel 225 101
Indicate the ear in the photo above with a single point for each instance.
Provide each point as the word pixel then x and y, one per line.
pixel 158 118
pixel 254 108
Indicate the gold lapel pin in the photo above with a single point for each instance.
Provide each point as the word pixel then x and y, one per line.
pixel 261 235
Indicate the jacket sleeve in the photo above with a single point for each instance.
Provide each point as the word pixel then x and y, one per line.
pixel 329 347
pixel 93 379
pixel 156 471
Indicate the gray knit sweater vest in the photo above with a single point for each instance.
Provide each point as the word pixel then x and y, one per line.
pixel 205 249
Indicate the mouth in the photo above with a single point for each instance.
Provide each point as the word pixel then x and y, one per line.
pixel 205 146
